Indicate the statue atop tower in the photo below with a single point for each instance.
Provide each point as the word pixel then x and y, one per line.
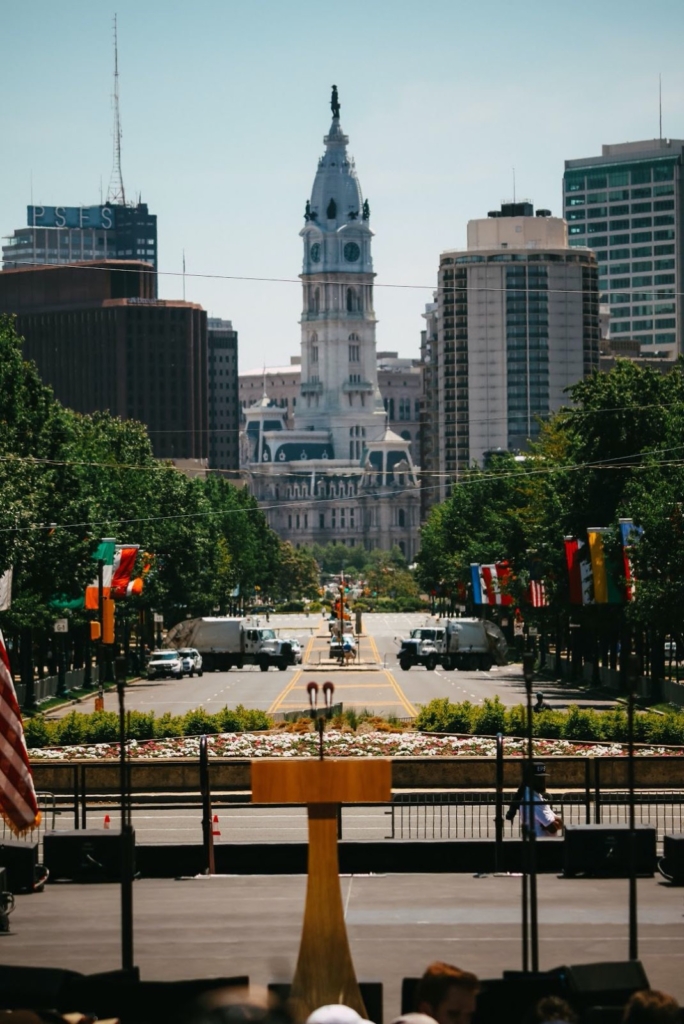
pixel 335 103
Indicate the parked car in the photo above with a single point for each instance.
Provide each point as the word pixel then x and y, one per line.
pixel 192 661
pixel 163 664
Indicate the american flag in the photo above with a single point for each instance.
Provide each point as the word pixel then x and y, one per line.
pixel 18 803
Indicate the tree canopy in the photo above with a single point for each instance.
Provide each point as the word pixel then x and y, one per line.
pixel 67 480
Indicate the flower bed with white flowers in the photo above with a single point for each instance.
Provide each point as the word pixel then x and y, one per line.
pixel 341 744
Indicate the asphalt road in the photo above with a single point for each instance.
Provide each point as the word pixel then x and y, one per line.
pixel 377 685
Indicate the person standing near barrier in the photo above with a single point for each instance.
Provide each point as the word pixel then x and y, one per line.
pixel 447 994
pixel 545 821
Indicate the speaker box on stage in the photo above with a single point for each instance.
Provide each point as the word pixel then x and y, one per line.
pixel 20 860
pixel 371 993
pixel 87 855
pixel 35 988
pixel 604 984
pixel 139 1002
pixel 672 864
pixel 603 850
pixel 513 996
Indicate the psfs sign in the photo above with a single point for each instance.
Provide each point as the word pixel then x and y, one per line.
pixel 71 217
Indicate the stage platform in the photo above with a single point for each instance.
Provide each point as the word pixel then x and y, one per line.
pixel 397 924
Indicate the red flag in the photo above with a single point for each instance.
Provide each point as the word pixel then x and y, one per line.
pixel 18 803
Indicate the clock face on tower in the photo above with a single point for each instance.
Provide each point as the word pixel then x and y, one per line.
pixel 315 253
pixel 351 252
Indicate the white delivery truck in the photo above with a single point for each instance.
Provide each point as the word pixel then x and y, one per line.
pixel 473 643
pixel 224 643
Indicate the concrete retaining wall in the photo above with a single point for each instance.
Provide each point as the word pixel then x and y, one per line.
pixel 182 776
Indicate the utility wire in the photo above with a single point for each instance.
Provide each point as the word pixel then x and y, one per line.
pixel 465 289
pixel 316 501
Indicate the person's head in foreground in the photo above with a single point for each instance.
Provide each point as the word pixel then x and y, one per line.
pixel 334 1013
pixel 553 1009
pixel 651 1007
pixel 447 994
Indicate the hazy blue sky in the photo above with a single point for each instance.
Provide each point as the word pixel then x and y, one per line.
pixel 225 103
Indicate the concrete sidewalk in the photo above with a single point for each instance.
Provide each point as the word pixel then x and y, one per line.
pixel 209 927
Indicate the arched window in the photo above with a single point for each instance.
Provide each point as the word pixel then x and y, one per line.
pixel 406 436
pixel 402 548
pixel 354 337
pixel 317 300
pixel 352 300
pixel 401 517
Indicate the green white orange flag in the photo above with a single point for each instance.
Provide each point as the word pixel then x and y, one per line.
pixel 104 553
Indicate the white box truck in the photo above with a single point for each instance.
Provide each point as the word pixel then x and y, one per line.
pixel 224 643
pixel 473 643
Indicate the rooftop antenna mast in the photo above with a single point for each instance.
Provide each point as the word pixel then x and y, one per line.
pixel 660 107
pixel 116 193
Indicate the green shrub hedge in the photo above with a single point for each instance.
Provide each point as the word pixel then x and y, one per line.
pixel 103 726
pixel 490 717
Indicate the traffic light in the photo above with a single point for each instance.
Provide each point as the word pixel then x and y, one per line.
pixel 108 620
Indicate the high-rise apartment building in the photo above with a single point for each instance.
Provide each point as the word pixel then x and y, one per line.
pixel 628 206
pixel 74 234
pixel 102 341
pixel 516 322
pixel 222 395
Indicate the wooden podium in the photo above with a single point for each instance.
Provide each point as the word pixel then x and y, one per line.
pixel 325 972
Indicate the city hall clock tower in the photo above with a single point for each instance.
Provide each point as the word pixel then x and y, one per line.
pixel 339 389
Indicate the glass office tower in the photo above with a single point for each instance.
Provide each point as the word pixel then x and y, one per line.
pixel 626 205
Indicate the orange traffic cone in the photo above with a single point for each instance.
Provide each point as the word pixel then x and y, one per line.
pixel 216 831
pixel 107 821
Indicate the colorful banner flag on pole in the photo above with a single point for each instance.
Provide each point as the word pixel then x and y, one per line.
pixel 6 589
pixel 122 570
pixel 489 583
pixel 18 802
pixel 536 594
pixel 630 535
pixel 606 589
pixel 104 553
pixel 579 571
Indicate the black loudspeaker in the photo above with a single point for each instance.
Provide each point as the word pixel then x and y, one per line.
pixel 513 997
pixel 603 850
pixel 20 860
pixel 371 993
pixel 36 988
pixel 604 984
pixel 88 855
pixel 672 864
pixel 408 994
pixel 140 1002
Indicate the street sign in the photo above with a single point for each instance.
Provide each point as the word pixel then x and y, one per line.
pixel 158 618
pixel 518 628
pixel 61 626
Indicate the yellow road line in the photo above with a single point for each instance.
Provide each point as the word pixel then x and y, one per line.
pixel 308 649
pixel 374 650
pixel 288 689
pixel 402 696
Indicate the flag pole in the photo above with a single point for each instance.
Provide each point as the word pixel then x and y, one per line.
pixel 127 833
